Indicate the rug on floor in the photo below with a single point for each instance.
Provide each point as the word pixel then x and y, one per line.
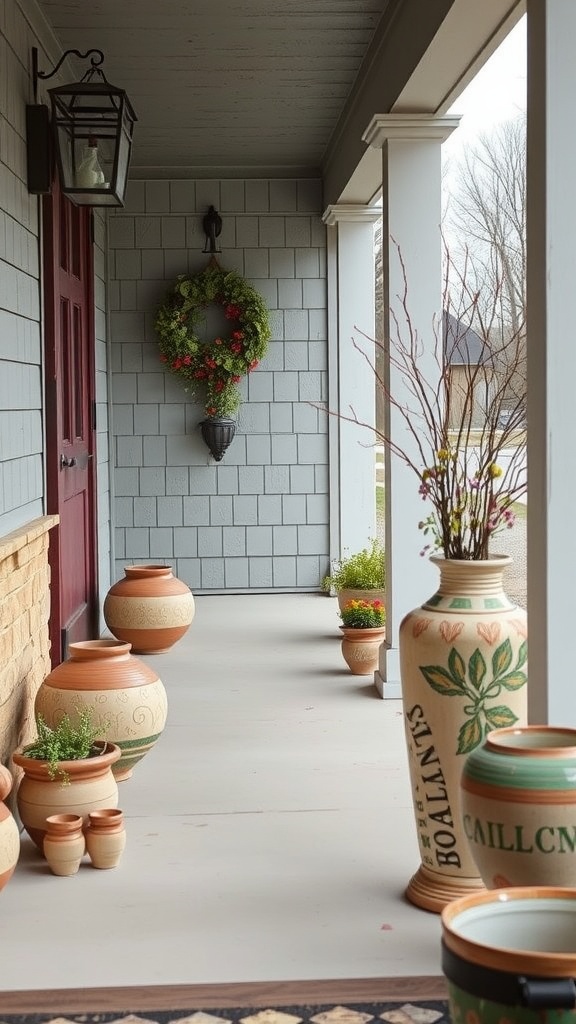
pixel 417 1012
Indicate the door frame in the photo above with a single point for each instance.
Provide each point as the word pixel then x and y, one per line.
pixel 51 244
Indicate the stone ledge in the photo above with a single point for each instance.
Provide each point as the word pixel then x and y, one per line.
pixel 13 542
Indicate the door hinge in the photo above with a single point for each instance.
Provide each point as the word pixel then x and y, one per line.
pixel 93 413
pixel 91 229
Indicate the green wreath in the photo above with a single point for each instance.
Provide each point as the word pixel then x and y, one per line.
pixel 214 367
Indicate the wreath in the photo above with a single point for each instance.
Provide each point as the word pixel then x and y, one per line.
pixel 214 367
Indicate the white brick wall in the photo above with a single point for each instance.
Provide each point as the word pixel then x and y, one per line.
pixel 259 519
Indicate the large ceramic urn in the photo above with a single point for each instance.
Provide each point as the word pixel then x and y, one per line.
pixel 463 660
pixel 150 608
pixel 9 834
pixel 125 696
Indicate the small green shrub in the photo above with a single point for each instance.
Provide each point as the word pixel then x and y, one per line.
pixel 67 741
pixel 365 570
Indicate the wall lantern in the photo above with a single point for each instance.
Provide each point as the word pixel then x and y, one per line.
pixel 212 224
pixel 91 131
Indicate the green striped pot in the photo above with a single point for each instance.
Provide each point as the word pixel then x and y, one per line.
pixel 518 806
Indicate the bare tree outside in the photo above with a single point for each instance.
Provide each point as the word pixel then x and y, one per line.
pixel 486 222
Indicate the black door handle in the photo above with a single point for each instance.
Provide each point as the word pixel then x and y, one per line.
pixel 67 463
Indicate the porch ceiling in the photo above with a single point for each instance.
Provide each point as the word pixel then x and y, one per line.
pixel 227 86
pixel 240 88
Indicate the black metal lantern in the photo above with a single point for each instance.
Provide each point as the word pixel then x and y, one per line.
pixel 92 125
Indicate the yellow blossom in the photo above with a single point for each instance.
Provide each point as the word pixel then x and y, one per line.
pixel 494 470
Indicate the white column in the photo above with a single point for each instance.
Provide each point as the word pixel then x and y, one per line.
pixel 411 235
pixel 551 234
pixel 351 380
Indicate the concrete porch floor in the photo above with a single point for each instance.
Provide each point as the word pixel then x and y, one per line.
pixel 269 833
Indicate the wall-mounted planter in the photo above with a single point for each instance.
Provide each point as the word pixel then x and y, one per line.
pixel 218 433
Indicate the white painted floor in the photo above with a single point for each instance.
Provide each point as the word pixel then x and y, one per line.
pixel 269 834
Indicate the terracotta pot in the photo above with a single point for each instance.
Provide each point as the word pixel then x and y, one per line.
pixel 105 837
pixel 149 609
pixel 349 594
pixel 64 844
pixel 90 785
pixel 509 956
pixel 9 834
pixel 463 660
pixel 127 699
pixel 361 649
pixel 519 806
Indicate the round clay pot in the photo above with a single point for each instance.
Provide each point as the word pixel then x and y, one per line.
pixel 361 649
pixel 9 834
pixel 518 804
pixel 87 786
pixel 360 595
pixel 105 837
pixel 126 697
pixel 509 956
pixel 463 667
pixel 64 844
pixel 149 609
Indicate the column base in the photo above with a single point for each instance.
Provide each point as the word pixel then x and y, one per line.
pixel 432 891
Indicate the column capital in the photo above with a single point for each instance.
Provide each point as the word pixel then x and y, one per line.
pixel 350 212
pixel 408 128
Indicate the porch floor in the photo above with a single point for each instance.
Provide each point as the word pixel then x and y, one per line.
pixel 269 834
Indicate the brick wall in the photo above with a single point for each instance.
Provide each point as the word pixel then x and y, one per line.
pixel 259 519
pixel 24 643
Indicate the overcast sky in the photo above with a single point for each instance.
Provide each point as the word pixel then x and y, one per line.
pixel 498 93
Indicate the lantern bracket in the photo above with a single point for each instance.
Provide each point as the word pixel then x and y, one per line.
pixel 95 63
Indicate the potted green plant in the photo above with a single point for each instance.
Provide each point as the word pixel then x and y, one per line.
pixel 359 576
pixel 66 768
pixel 363 633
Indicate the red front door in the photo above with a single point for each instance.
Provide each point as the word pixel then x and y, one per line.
pixel 70 426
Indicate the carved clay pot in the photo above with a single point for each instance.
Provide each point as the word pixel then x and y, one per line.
pixel 519 806
pixel 361 648
pixel 150 609
pixel 88 785
pixel 463 660
pixel 9 834
pixel 126 697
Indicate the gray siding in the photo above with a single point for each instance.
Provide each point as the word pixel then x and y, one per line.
pixel 21 389
pixel 259 519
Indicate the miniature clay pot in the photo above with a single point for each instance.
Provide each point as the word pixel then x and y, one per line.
pixel 64 844
pixel 105 837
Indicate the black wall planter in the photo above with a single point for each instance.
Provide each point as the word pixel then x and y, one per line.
pixel 218 432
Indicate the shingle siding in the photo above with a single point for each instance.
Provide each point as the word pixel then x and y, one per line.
pixel 258 520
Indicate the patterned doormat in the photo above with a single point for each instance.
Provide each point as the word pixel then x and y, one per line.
pixel 397 1012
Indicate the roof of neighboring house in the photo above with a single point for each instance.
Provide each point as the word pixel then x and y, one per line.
pixel 463 346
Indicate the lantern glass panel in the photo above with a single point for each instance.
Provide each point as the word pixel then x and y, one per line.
pixel 93 127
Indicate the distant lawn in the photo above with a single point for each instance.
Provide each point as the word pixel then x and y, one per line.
pixel 379 501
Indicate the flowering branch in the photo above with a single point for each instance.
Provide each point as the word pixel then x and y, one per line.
pixel 467 423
